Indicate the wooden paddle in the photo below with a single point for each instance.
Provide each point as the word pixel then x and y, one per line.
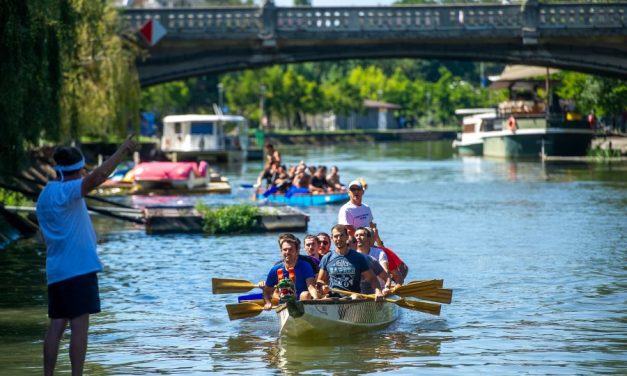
pixel 261 302
pixel 243 310
pixel 430 308
pixel 425 290
pixel 229 286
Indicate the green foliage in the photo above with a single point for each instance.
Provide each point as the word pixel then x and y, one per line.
pixel 30 75
pixel 229 219
pixel 601 95
pixel 604 154
pixel 12 198
pixel 169 98
pixel 64 73
pixel 101 90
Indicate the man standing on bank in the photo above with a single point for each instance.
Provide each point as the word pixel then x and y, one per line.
pixel 71 258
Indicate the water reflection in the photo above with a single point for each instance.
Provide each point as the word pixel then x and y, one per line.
pixel 358 354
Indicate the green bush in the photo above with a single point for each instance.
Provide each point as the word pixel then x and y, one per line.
pixel 229 219
pixel 603 154
pixel 11 198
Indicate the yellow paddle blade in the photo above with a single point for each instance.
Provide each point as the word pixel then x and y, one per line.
pixel 243 310
pixel 440 295
pixel 261 302
pixel 430 308
pixel 229 286
pixel 427 282
pixel 419 287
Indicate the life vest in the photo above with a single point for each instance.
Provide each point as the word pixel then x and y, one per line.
pixel 286 285
pixel 512 124
pixel 308 259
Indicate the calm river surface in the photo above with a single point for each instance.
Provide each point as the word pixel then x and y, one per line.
pixel 536 254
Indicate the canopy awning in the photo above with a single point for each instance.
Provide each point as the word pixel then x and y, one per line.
pixel 522 72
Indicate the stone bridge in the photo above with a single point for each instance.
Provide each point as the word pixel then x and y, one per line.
pixel 576 36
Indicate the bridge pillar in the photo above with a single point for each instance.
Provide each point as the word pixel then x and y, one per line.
pixel 530 10
pixel 267 26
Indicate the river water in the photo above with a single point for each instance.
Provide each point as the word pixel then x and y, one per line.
pixel 536 254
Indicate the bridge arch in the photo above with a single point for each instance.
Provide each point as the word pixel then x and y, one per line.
pixel 582 37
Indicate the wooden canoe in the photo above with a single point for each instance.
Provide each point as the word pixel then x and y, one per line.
pixel 335 316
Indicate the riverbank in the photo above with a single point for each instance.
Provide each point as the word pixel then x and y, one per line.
pixel 358 136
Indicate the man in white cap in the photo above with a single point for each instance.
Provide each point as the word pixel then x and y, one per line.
pixel 355 213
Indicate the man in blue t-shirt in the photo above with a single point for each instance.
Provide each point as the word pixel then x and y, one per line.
pixel 344 268
pixel 293 268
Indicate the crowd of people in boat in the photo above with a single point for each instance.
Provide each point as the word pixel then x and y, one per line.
pixel 359 264
pixel 277 178
pixel 356 265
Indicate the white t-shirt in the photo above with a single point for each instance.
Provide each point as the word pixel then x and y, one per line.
pixel 356 216
pixel 379 255
pixel 68 231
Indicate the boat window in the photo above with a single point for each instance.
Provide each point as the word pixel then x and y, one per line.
pixel 202 128
pixel 177 127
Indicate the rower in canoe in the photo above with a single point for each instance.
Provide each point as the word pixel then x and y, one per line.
pixel 343 268
pixel 294 277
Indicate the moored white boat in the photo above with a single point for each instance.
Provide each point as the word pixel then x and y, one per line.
pixel 478 123
pixel 335 317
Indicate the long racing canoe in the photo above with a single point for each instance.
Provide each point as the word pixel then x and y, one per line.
pixel 305 199
pixel 335 316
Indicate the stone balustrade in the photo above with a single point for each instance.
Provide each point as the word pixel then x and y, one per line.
pixel 218 21
pixel 194 21
pixel 584 16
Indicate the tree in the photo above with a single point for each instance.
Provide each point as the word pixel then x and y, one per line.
pixel 64 73
pixel 30 75
pixel 100 95
pixel 603 96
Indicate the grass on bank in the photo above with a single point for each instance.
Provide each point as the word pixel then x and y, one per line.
pixel 603 154
pixel 236 219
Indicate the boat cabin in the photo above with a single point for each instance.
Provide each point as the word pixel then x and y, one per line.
pixel 202 135
pixel 477 119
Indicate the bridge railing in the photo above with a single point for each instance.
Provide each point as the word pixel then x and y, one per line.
pixel 217 21
pixel 597 15
pixel 423 18
pixel 231 22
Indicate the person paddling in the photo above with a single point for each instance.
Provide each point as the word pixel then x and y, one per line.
pixel 294 277
pixel 363 236
pixel 344 268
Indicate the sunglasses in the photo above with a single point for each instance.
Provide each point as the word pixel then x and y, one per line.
pixel 356 189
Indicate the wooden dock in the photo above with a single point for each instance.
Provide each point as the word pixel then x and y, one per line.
pixel 186 219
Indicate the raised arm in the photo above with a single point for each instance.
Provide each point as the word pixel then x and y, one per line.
pixel 100 174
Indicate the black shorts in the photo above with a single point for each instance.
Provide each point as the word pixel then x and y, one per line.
pixel 74 297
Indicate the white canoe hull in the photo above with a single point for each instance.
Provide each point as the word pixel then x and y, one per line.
pixel 336 317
